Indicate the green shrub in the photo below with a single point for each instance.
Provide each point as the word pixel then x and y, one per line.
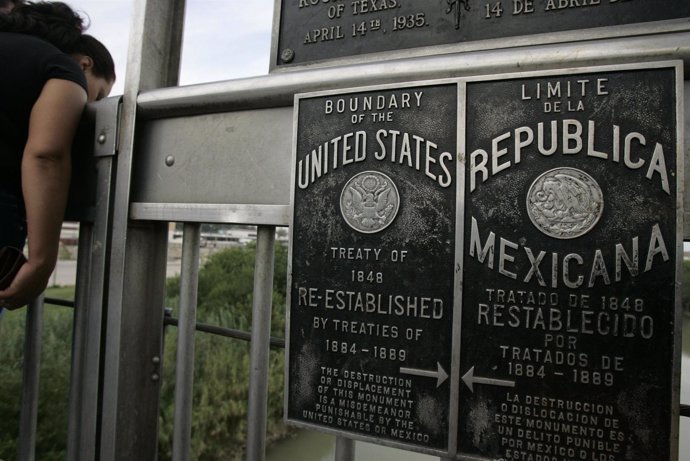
pixel 221 369
pixel 51 434
pixel 221 375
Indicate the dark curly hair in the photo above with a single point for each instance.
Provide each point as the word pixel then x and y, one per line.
pixel 54 22
pixel 9 4
pixel 60 25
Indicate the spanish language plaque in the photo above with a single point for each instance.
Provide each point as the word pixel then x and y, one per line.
pixel 314 30
pixel 570 323
pixel 372 255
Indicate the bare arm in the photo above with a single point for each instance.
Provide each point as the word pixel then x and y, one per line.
pixel 45 183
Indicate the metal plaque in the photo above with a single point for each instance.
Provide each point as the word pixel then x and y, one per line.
pixel 316 30
pixel 372 256
pixel 570 298
pixel 521 303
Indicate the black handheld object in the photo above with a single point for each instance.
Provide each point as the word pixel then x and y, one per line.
pixel 11 260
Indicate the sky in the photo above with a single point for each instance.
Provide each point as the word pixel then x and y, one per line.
pixel 223 39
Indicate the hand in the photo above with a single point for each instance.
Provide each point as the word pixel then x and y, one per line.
pixel 28 284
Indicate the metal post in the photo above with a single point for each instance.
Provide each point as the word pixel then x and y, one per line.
pixel 86 340
pixel 344 449
pixel 136 279
pixel 80 429
pixel 184 380
pixel 26 450
pixel 82 433
pixel 261 335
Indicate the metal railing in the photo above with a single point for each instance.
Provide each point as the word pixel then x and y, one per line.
pixel 185 362
pixel 276 343
pixel 119 304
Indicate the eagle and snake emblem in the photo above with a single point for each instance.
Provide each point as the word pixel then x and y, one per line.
pixel 565 203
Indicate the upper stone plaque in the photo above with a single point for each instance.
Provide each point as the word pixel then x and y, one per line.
pixel 316 30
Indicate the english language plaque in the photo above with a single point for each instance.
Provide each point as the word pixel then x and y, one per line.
pixel 372 264
pixel 314 30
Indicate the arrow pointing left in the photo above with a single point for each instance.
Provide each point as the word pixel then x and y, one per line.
pixel 470 380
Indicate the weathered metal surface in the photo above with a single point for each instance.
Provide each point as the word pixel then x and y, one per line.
pixel 232 150
pixel 137 257
pixel 220 148
pixel 99 123
pixel 372 264
pixel 570 295
pixel 563 335
pixel 315 30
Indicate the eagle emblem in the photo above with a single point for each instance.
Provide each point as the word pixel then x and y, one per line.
pixel 369 202
pixel 565 203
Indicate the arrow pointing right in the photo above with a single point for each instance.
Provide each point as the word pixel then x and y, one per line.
pixel 440 374
pixel 470 380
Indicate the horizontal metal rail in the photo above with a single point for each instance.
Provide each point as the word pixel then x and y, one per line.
pixel 211 213
pixel 278 89
pixel 59 302
pixel 280 342
pixel 276 343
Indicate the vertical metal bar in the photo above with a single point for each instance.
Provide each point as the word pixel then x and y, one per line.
pixel 261 334
pixel 126 427
pixel 26 450
pixel 134 431
pixel 184 379
pixel 88 318
pixel 79 335
pixel 113 333
pixel 344 449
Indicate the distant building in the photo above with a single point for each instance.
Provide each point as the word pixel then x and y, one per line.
pixel 69 235
pixel 226 237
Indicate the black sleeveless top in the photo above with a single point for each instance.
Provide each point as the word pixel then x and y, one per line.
pixel 26 64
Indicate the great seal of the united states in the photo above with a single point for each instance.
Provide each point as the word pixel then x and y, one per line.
pixel 369 202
